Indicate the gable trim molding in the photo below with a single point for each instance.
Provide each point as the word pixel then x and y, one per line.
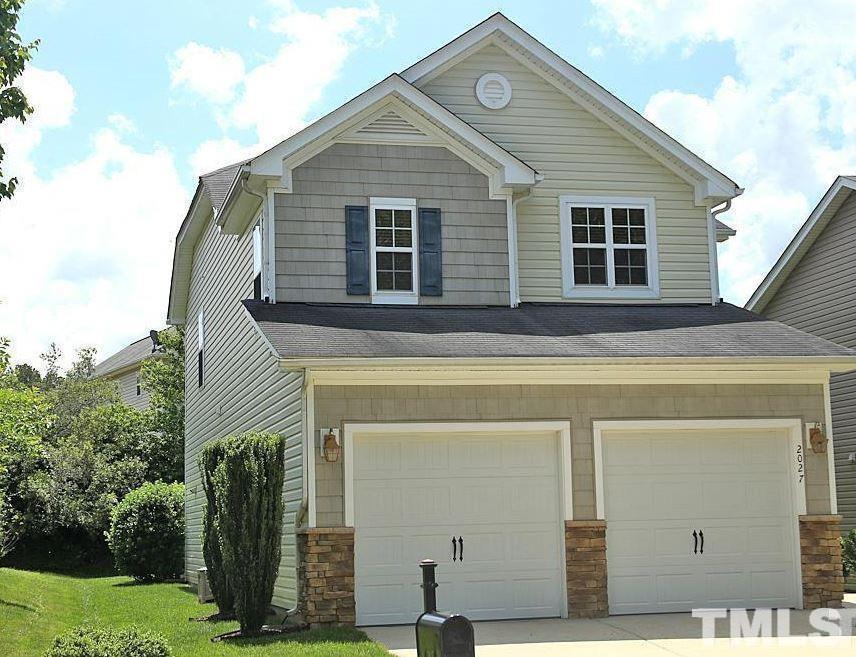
pixel 711 186
pixel 807 234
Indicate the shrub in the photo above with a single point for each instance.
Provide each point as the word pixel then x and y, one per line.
pixel 848 553
pixel 224 597
pixel 146 535
pixel 103 642
pixel 248 489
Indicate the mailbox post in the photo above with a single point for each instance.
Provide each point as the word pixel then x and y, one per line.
pixel 437 634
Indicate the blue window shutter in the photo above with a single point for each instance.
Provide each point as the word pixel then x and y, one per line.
pixel 357 248
pixel 430 253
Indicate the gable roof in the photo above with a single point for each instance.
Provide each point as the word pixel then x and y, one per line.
pixel 808 233
pixel 126 358
pixel 300 331
pixel 710 184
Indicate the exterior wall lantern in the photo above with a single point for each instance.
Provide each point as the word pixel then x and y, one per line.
pixel 330 445
pixel 817 438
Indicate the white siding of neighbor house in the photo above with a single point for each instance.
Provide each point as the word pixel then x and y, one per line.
pixel 578 154
pixel 310 222
pixel 819 296
pixel 581 405
pixel 127 385
pixel 244 389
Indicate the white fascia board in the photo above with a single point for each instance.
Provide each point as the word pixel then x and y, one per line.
pixel 715 186
pixel 799 244
pixel 271 163
pixel 185 241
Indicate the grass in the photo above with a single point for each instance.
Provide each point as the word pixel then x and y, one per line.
pixel 36 606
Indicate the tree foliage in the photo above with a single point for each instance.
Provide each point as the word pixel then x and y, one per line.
pixel 248 485
pixel 224 597
pixel 163 379
pixel 146 533
pixel 14 55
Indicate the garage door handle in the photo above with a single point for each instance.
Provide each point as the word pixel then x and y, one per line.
pixel 461 544
pixel 695 542
pixel 454 549
pixel 701 536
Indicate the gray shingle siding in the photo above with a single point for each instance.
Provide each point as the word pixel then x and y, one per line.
pixel 310 222
pixel 819 296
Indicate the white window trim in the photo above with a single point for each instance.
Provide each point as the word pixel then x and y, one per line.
pixel 611 290
pixel 383 203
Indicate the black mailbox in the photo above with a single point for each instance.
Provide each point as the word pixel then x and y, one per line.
pixel 441 635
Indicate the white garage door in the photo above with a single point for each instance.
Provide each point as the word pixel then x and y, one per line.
pixel 732 488
pixel 415 492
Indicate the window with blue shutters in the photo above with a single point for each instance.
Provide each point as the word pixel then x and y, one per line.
pixel 357 249
pixel 394 234
pixel 430 253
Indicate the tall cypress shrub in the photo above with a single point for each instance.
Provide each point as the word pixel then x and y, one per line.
pixel 248 485
pixel 209 459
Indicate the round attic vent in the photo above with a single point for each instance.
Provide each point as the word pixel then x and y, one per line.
pixel 493 91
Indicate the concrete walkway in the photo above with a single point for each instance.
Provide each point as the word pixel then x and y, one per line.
pixel 656 635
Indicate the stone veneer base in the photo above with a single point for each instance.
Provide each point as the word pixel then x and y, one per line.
pixel 326 575
pixel 585 561
pixel 820 560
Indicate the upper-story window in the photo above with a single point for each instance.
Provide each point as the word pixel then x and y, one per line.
pixel 393 235
pixel 609 248
pixel 139 386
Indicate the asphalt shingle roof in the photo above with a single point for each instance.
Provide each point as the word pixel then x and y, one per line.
pixel 532 330
pixel 217 183
pixel 134 353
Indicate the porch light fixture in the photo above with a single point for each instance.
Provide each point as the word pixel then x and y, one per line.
pixel 817 438
pixel 331 447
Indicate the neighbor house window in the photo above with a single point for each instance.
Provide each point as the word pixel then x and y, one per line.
pixel 139 388
pixel 200 349
pixel 394 269
pixel 609 247
pixel 257 261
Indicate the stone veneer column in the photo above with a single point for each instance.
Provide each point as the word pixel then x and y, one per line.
pixel 820 559
pixel 585 560
pixel 326 575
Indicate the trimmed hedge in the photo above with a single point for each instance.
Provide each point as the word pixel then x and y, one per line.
pixel 106 642
pixel 248 485
pixel 224 597
pixel 146 534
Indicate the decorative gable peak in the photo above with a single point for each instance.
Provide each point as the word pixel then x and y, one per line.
pixel 389 124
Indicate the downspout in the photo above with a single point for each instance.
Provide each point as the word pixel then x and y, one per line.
pixel 514 255
pixel 713 253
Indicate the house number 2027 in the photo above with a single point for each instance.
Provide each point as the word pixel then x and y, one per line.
pixel 800 463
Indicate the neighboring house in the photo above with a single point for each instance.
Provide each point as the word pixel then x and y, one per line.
pixel 123 368
pixel 813 288
pixel 494 285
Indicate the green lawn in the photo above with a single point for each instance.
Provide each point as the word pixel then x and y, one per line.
pixel 35 606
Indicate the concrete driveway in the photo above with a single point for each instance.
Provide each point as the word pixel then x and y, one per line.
pixel 656 635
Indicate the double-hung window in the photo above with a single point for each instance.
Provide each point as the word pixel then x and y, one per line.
pixel 609 248
pixel 258 261
pixel 394 267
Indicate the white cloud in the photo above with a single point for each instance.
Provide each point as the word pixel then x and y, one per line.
pixel 212 74
pixel 86 251
pixel 783 126
pixel 277 97
pixel 215 153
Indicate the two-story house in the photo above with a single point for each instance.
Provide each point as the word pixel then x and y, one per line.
pixel 123 368
pixel 480 300
pixel 812 287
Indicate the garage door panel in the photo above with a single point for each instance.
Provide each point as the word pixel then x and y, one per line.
pixel 734 486
pixel 502 498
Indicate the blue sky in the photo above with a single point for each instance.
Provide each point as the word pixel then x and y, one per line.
pixel 135 99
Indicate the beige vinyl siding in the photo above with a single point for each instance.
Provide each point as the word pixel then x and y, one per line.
pixel 127 385
pixel 819 296
pixel 244 389
pixel 336 405
pixel 310 223
pixel 577 154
